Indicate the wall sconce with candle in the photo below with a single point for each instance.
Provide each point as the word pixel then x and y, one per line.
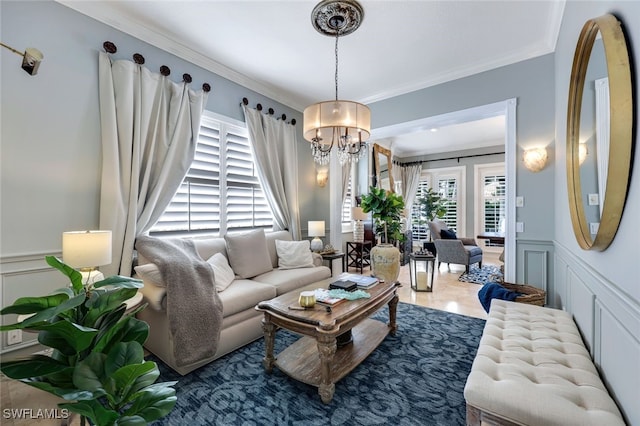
pixel 535 159
pixel 322 176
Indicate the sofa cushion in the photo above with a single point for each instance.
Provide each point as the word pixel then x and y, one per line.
pixel 447 234
pixel 150 274
pixel 294 254
pixel 272 237
pixel 245 294
pixel 473 250
pixel 286 280
pixel 248 253
pixel 223 274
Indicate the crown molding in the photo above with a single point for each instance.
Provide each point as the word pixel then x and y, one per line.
pixel 138 30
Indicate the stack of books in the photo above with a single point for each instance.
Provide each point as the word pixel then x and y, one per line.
pixel 361 281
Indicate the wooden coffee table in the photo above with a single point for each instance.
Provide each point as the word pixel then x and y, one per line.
pixel 315 359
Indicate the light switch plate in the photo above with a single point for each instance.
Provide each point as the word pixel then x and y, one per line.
pixel 593 227
pixel 520 201
pixel 594 199
pixel 519 226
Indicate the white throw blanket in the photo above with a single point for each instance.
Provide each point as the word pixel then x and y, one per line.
pixel 194 308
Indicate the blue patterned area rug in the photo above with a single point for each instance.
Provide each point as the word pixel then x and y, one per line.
pixel 416 377
pixel 481 276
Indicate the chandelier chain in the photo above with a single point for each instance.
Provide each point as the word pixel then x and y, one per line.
pixel 336 51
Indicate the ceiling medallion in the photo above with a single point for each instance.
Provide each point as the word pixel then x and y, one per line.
pixel 340 123
pixel 331 17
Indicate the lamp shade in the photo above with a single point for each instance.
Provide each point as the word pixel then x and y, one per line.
pixel 351 118
pixel 358 214
pixel 86 249
pixel 316 228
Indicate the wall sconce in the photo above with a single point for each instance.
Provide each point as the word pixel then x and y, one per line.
pixel 582 152
pixel 31 58
pixel 535 159
pixel 322 176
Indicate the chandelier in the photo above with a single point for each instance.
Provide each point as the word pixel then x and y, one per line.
pixel 345 124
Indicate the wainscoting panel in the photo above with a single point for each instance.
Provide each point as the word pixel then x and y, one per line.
pixel 609 321
pixel 617 352
pixel 25 276
pixel 581 305
pixel 535 263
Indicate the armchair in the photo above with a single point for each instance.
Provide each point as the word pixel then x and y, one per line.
pixel 460 251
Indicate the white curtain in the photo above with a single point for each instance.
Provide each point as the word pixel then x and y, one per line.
pixel 410 177
pixel 346 174
pixel 150 129
pixel 274 146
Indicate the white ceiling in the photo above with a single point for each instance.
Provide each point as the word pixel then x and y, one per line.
pixel 272 48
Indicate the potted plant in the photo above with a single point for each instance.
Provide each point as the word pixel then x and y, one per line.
pixel 430 205
pixel 97 362
pixel 386 209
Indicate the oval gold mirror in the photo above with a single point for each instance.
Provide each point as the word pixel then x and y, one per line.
pixel 596 229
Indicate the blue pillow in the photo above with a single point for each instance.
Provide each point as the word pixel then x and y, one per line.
pixel 447 234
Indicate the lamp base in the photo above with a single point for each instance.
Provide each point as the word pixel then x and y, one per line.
pixel 358 231
pixel 91 276
pixel 316 244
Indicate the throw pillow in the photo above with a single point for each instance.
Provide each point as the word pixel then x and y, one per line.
pixel 248 253
pixel 223 273
pixel 149 272
pixel 447 234
pixel 294 254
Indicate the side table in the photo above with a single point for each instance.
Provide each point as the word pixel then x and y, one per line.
pixel 331 256
pixel 358 254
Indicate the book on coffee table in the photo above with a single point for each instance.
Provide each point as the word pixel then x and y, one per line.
pixel 362 281
pixel 345 285
pixel 322 296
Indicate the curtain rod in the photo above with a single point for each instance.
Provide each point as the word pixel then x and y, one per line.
pixel 111 48
pixel 411 163
pixel 270 111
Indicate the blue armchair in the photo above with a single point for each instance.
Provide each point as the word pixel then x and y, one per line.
pixel 460 251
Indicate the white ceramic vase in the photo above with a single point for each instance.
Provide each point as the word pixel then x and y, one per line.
pixel 385 262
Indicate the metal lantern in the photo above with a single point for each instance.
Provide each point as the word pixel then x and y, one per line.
pixel 419 271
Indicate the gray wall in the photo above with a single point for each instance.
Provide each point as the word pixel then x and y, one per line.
pixel 601 289
pixel 51 154
pixel 531 82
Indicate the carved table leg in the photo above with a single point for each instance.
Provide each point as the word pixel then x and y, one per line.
pixel 393 307
pixel 269 329
pixel 326 349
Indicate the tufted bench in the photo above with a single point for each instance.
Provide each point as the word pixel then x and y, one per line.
pixel 532 368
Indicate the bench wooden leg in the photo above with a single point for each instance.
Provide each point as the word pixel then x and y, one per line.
pixel 473 416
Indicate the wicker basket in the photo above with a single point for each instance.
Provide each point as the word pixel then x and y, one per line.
pixel 531 295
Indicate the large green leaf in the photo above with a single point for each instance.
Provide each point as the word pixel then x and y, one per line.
pixel 154 402
pixel 119 281
pixel 67 337
pixel 125 378
pixel 128 329
pixel 122 355
pixel 94 411
pixel 105 302
pixel 74 276
pixel 131 421
pixel 69 394
pixel 34 366
pixel 89 373
pixel 30 305
pixel 50 313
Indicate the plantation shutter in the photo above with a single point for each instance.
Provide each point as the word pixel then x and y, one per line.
pixel 494 192
pixel 347 204
pixel 419 231
pixel 448 188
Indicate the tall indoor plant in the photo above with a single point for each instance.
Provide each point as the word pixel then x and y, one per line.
pixel 387 209
pixel 97 362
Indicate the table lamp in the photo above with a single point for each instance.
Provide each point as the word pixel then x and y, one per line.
pixel 85 251
pixel 358 229
pixel 316 229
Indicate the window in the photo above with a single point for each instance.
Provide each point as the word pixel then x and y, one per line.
pixel 221 192
pixel 448 189
pixel 347 204
pixel 419 231
pixel 490 201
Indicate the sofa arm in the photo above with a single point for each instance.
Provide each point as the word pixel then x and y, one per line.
pixel 468 241
pixel 317 259
pixel 154 295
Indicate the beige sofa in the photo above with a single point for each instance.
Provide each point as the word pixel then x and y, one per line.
pixel 241 322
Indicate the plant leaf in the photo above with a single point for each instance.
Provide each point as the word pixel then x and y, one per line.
pixel 89 373
pixel 123 354
pixel 119 281
pixel 67 337
pixel 34 366
pixel 74 276
pixel 94 411
pixel 125 379
pixel 105 302
pixel 30 305
pixel 128 329
pixel 154 402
